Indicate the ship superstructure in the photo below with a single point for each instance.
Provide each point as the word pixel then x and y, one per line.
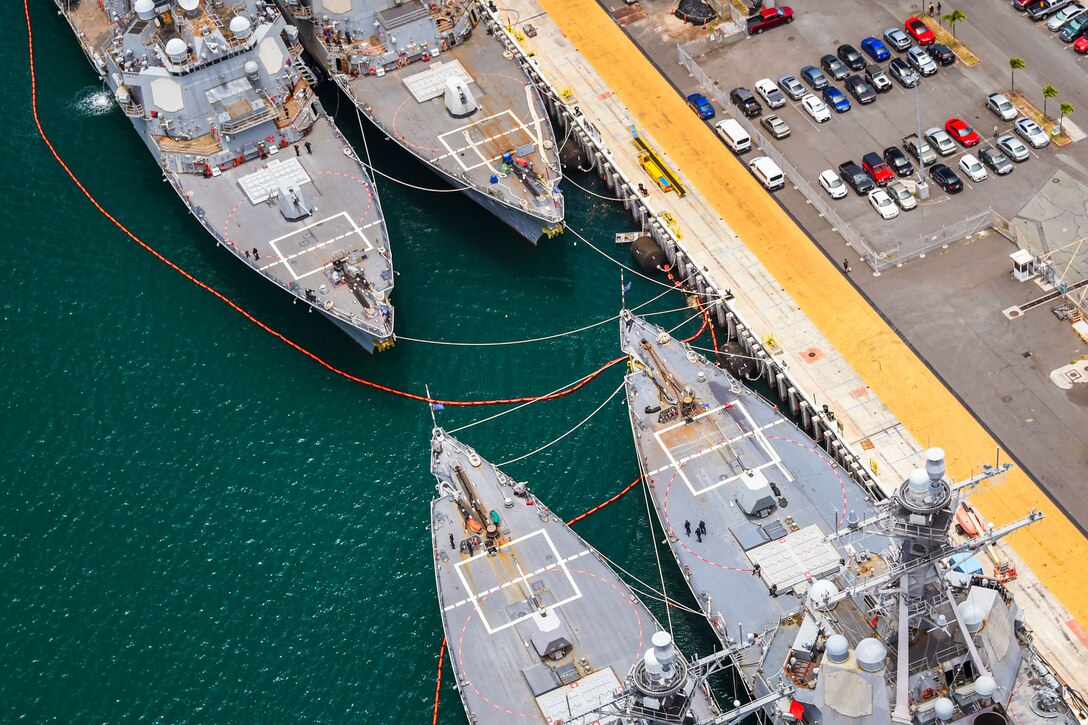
pixel 537 624
pixel 858 601
pixel 447 93
pixel 218 93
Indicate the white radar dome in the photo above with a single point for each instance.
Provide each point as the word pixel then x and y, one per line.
pixel 177 49
pixel 188 5
pixel 240 27
pixel 944 709
pixel 985 686
pixel 145 9
pixel 935 465
pixel 820 594
pixel 837 648
pixel 870 654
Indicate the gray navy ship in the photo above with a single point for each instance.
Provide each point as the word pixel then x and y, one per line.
pixel 538 625
pixel 447 93
pixel 862 603
pixel 219 94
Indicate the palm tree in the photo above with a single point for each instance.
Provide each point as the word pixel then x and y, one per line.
pixel 1066 109
pixel 1048 92
pixel 952 18
pixel 1016 64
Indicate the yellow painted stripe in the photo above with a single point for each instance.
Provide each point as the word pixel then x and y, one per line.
pixel 913 394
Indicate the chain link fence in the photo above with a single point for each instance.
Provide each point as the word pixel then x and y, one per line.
pixel 901 252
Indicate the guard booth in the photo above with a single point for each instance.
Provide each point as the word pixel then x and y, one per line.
pixel 1023 265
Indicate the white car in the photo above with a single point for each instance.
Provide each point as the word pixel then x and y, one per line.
pixel 941 141
pixel 815 107
pixel 1067 13
pixel 770 93
pixel 1000 106
pixel 973 167
pixel 1031 132
pixel 899 193
pixel 883 204
pixel 832 184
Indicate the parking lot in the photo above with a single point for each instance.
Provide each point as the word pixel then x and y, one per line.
pixel 955 91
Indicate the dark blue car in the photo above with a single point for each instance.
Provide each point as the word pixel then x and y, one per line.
pixel 876 49
pixel 835 98
pixel 701 105
pixel 814 77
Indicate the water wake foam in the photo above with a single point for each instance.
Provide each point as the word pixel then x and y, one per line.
pixel 93 102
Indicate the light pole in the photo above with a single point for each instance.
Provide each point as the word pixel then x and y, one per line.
pixel 923 187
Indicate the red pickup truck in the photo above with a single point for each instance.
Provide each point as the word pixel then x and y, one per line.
pixel 769 18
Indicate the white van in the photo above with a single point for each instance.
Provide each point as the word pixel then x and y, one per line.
pixel 767 172
pixel 734 135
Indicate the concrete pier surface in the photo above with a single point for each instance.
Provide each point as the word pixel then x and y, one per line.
pixel 889 402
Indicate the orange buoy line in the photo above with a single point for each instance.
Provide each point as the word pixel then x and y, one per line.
pixel 438 685
pixel 240 310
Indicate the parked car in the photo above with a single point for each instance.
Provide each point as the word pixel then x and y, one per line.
pixel 815 108
pixel 856 177
pixel 776 126
pixel 1073 28
pixel 899 193
pixel 699 103
pixel 1031 132
pixel 972 167
pixel 941 141
pixel 942 54
pixel 1081 44
pixel 743 99
pixel 832 184
pixel 897 39
pixel 768 18
pixel 1022 5
pixel 1058 19
pixel 998 162
pixel 958 129
pixel 876 49
pixel 903 73
pixel 1011 146
pixel 917 29
pixel 877 78
pixel 816 80
pixel 883 204
pixel 859 89
pixel 834 98
pixel 1000 106
pixel 898 161
pixel 767 172
pixel 1046 9
pixel 849 54
pixel 834 67
pixel 877 169
pixel 921 62
pixel 946 179
pixel 791 87
pixel 920 149
pixel 774 97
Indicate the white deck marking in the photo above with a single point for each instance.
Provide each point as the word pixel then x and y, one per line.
pixel 477 597
pixel 463 131
pixel 283 259
pixel 756 433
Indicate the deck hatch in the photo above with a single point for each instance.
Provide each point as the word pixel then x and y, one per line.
pixel 794 558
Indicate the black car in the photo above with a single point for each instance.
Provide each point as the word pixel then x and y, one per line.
pixel 743 99
pixel 849 54
pixel 903 73
pixel 946 178
pixel 856 177
pixel 898 160
pixel 834 67
pixel 859 89
pixel 942 54
pixel 997 161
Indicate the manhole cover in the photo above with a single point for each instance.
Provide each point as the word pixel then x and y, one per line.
pixel 812 354
pixel 1014 313
pixel 1006 398
pixel 1055 181
pixel 1027 353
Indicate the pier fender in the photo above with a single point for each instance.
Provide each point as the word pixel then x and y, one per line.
pixel 647 254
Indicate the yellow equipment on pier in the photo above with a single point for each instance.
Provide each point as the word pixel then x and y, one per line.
pixel 658 170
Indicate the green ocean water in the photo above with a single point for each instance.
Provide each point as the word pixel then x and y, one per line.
pixel 202 525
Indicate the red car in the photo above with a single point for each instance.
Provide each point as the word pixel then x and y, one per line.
pixel 918 30
pixel 958 129
pixel 875 167
pixel 1081 44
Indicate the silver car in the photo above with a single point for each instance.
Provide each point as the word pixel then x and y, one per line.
pixel 921 61
pixel 897 190
pixel 1011 147
pixel 941 141
pixel 1031 132
pixel 1067 13
pixel 897 38
pixel 1000 106
pixel 791 87
pixel 777 127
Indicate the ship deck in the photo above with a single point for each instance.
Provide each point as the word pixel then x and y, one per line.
pixel 488 612
pixel 298 254
pixel 510 118
pixel 89 21
pixel 697 471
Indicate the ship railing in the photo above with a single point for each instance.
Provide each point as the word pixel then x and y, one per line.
pixel 251 119
pixel 300 9
pixel 132 109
